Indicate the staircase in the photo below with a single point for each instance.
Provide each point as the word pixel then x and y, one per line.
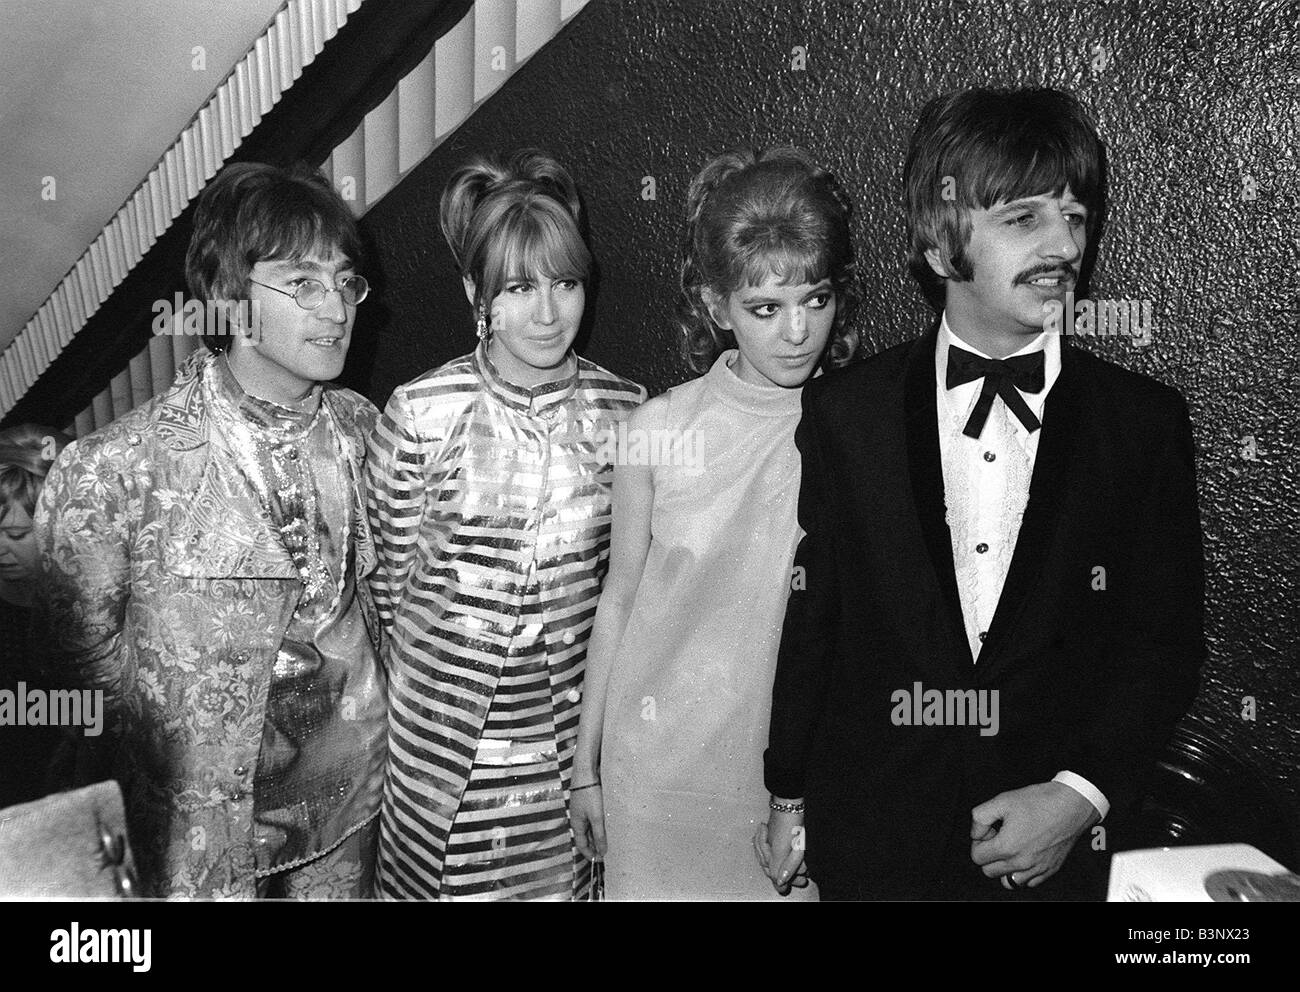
pixel 464 66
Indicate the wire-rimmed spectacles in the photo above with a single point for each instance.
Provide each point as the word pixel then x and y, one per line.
pixel 311 293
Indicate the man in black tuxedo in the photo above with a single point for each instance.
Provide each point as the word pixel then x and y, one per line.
pixel 1001 613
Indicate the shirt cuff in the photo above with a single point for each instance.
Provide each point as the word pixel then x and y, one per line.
pixel 1086 789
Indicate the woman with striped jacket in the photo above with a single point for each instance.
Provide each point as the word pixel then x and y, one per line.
pixel 490 500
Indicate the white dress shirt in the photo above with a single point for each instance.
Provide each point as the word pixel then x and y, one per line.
pixel 986 488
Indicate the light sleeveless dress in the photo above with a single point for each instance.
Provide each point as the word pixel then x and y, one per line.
pixel 689 696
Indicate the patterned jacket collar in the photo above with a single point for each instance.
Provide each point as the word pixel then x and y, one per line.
pixel 181 416
pixel 274 419
pixel 532 401
pixel 182 421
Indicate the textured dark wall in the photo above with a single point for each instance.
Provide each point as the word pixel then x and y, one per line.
pixel 1196 103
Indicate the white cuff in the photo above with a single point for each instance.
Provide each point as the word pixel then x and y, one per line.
pixel 1086 789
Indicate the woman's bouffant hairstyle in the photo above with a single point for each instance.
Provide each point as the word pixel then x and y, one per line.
pixel 26 454
pixel 252 212
pixel 976 148
pixel 512 218
pixel 750 215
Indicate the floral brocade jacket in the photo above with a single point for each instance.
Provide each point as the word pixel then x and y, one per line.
pixel 165 584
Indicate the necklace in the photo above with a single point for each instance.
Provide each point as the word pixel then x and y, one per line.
pixel 269 456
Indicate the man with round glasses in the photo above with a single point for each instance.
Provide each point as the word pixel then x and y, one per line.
pixel 206 557
pixel 311 293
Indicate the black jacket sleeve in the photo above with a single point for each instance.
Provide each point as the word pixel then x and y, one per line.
pixel 808 637
pixel 1153 672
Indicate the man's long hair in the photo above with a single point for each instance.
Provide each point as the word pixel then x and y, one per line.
pixel 253 212
pixel 976 148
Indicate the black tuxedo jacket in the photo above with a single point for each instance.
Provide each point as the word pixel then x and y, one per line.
pixel 1094 649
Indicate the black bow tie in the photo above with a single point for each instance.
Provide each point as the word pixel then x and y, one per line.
pixel 1002 377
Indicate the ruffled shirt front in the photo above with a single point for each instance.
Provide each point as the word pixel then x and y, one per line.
pixel 986 479
pixel 986 489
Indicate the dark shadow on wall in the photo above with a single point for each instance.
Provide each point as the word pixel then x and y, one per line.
pixel 634 96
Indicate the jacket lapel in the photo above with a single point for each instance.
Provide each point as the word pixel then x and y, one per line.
pixel 926 471
pixel 1061 412
pixel 224 533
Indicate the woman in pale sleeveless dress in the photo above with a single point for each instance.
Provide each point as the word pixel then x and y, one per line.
pixel 668 779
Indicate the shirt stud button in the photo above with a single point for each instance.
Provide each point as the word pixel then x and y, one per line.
pixel 989 456
pixel 983 634
pixel 981 548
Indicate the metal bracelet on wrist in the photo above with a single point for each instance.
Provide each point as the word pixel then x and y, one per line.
pixel 777 807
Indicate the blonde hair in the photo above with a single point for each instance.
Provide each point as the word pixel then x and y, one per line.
pixel 750 215
pixel 26 454
pixel 511 217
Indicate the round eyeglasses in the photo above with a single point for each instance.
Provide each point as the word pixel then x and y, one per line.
pixel 311 293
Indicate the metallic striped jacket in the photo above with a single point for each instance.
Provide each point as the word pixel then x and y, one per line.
pixel 476 489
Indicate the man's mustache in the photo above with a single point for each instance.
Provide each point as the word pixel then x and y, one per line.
pixel 1064 269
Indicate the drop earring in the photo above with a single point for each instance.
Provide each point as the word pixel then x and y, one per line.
pixel 483 333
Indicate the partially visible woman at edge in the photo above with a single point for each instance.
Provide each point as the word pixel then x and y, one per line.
pixel 490 500
pixel 27 753
pixel 668 778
